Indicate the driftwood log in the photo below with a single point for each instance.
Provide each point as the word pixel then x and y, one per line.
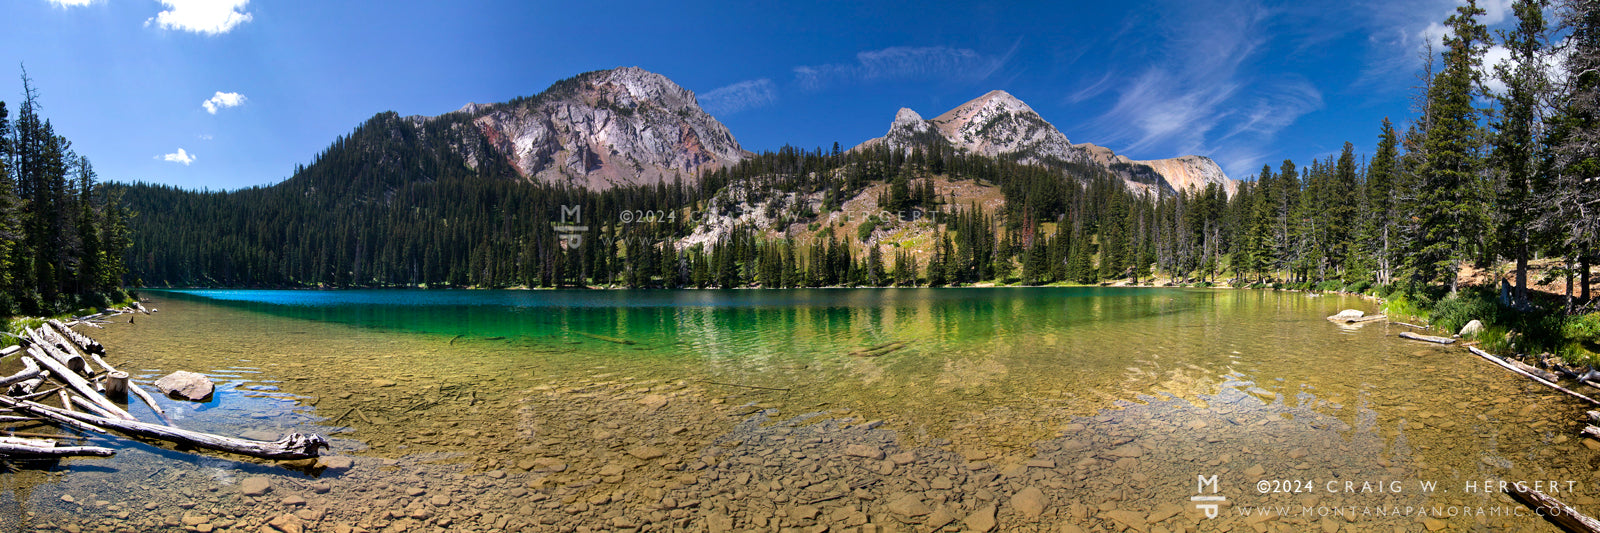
pixel 82 386
pixel 30 371
pixel 1553 510
pixel 1356 319
pixel 7 351
pixel 291 446
pixel 15 447
pixel 82 341
pixel 1426 338
pixel 1508 366
pixel 47 346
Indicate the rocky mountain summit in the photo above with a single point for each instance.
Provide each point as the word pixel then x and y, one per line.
pixel 605 128
pixel 998 124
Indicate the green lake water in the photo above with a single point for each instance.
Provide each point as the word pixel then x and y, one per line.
pixel 464 391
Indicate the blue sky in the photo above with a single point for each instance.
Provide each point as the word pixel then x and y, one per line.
pixel 223 94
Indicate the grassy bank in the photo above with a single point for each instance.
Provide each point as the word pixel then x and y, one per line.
pixel 1542 328
pixel 89 306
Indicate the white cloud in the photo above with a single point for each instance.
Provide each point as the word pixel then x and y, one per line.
pixel 905 63
pixel 179 157
pixel 210 17
pixel 740 96
pixel 72 3
pixel 222 100
pixel 205 136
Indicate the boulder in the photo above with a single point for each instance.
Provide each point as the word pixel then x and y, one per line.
pixel 185 385
pixel 1472 328
pixel 1349 314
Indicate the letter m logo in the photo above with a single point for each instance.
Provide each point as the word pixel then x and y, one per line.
pixel 575 211
pixel 1212 481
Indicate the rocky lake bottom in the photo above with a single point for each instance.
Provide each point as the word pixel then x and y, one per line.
pixel 444 433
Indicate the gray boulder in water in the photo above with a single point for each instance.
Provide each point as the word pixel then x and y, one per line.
pixel 185 385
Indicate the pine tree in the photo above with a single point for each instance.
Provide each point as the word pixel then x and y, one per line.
pixel 1516 150
pixel 1449 206
pixel 1382 206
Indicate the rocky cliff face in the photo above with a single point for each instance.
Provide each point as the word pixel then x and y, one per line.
pixel 606 128
pixel 999 125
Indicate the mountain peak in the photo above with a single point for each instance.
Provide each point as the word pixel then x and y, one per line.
pixel 999 124
pixel 602 128
pixel 1002 101
pixel 906 117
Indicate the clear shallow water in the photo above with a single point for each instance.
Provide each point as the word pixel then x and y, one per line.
pixel 435 384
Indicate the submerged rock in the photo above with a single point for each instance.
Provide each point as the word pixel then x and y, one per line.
pixel 185 385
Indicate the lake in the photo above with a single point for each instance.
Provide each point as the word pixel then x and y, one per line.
pixel 857 409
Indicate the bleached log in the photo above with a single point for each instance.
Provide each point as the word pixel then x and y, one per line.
pixel 82 341
pixel 30 371
pixel 49 414
pixel 49 347
pixel 87 405
pixel 1508 366
pixel 1426 338
pixel 7 351
pixel 83 387
pixel 15 447
pixel 1552 509
pixel 291 446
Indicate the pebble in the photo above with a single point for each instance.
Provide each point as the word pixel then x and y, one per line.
pixel 439 500
pixel 647 453
pixel 1029 502
pixel 293 500
pixel 981 520
pixel 862 450
pixel 254 486
pixel 335 463
pixel 909 505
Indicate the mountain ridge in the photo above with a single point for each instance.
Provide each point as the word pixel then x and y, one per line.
pixel 998 124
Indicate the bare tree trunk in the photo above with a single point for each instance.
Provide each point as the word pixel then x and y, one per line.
pixel 1583 279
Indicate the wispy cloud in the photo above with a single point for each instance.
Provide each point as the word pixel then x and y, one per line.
pixel 179 157
pixel 748 94
pixel 222 100
pixel 1203 94
pixel 209 17
pixel 71 3
pixel 905 63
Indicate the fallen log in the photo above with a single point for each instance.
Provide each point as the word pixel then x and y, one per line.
pixel 290 446
pixel 1426 338
pixel 1361 320
pixel 47 346
pixel 82 341
pixel 49 414
pixel 1591 431
pixel 148 400
pixel 603 338
pixel 7 351
pixel 15 447
pixel 79 384
pixel 30 371
pixel 1508 366
pixel 1409 325
pixel 1552 509
pixel 880 350
pixel 87 405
